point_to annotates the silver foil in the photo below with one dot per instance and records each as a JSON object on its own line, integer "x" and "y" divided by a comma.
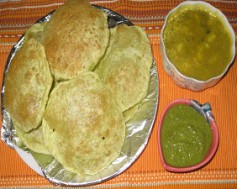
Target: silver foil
{"x": 138, "y": 128}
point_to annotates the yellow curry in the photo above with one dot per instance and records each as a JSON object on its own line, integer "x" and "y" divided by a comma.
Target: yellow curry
{"x": 197, "y": 42}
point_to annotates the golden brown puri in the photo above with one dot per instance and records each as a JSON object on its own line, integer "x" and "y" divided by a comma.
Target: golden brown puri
{"x": 130, "y": 113}
{"x": 76, "y": 38}
{"x": 36, "y": 32}
{"x": 85, "y": 131}
{"x": 33, "y": 140}
{"x": 125, "y": 68}
{"x": 27, "y": 85}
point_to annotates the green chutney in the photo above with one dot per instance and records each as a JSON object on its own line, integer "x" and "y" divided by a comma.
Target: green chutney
{"x": 197, "y": 42}
{"x": 186, "y": 136}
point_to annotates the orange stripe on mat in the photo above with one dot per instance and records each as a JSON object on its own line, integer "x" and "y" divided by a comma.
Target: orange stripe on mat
{"x": 147, "y": 171}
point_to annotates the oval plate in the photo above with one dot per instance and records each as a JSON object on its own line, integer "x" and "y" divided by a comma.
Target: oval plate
{"x": 138, "y": 129}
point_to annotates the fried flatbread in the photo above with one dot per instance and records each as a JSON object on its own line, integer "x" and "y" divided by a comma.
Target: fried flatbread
{"x": 76, "y": 38}
{"x": 86, "y": 130}
{"x": 125, "y": 68}
{"x": 28, "y": 82}
{"x": 33, "y": 140}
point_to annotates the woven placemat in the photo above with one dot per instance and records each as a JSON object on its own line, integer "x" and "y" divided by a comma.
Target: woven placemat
{"x": 16, "y": 16}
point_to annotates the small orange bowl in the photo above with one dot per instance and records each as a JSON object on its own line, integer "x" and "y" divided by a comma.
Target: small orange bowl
{"x": 205, "y": 111}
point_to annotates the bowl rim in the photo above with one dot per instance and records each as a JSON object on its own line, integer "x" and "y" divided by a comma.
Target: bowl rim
{"x": 212, "y": 150}
{"x": 227, "y": 24}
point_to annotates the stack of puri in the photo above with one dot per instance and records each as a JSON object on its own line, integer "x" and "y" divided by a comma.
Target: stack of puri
{"x": 69, "y": 84}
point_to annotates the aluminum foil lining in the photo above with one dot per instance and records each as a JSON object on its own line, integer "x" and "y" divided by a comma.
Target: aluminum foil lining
{"x": 138, "y": 129}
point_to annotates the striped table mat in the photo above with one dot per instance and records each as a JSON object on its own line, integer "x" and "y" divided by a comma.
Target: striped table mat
{"x": 147, "y": 172}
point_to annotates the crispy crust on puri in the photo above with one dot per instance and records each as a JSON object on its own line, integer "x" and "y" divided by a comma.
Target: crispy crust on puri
{"x": 125, "y": 68}
{"x": 90, "y": 134}
{"x": 28, "y": 82}
{"x": 76, "y": 38}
